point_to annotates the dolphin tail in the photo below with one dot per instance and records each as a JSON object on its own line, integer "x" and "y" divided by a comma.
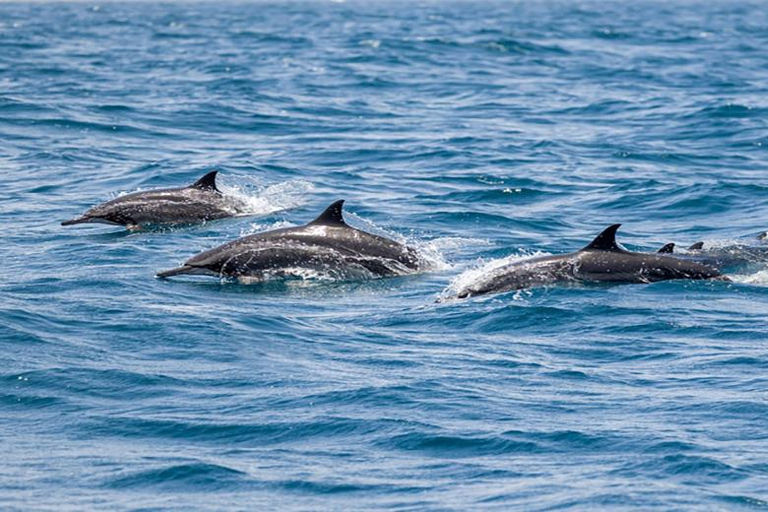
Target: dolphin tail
{"x": 184, "y": 269}
{"x": 77, "y": 220}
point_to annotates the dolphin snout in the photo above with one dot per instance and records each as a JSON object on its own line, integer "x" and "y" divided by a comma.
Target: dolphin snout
{"x": 185, "y": 269}
{"x": 76, "y": 220}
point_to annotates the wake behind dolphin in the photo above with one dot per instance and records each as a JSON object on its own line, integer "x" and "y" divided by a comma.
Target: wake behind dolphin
{"x": 200, "y": 202}
{"x": 327, "y": 245}
{"x": 602, "y": 260}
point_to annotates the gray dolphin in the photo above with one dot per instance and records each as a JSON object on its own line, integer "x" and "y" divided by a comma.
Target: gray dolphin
{"x": 199, "y": 202}
{"x": 327, "y": 245}
{"x": 602, "y": 260}
{"x": 723, "y": 257}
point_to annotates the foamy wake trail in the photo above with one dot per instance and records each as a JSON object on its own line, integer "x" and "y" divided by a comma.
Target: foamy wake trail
{"x": 759, "y": 278}
{"x": 255, "y": 199}
{"x": 434, "y": 252}
{"x": 483, "y": 268}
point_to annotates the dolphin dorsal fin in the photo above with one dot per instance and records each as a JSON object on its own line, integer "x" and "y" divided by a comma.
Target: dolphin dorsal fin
{"x": 605, "y": 241}
{"x": 697, "y": 246}
{"x": 207, "y": 182}
{"x": 332, "y": 216}
{"x": 667, "y": 249}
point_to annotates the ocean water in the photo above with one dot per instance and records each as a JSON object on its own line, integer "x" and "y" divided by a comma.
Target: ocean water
{"x": 474, "y": 132}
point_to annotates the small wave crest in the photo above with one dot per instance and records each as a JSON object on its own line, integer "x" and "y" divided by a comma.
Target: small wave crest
{"x": 193, "y": 475}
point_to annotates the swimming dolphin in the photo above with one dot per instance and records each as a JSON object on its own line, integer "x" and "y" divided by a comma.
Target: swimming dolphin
{"x": 199, "y": 202}
{"x": 601, "y": 260}
{"x": 327, "y": 245}
{"x": 724, "y": 257}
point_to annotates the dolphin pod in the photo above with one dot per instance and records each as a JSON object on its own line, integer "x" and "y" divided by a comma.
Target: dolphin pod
{"x": 200, "y": 202}
{"x": 329, "y": 246}
{"x": 730, "y": 256}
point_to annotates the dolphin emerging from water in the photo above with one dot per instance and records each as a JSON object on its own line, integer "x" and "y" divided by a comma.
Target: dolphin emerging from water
{"x": 327, "y": 245}
{"x": 602, "y": 260}
{"x": 729, "y": 257}
{"x": 199, "y": 202}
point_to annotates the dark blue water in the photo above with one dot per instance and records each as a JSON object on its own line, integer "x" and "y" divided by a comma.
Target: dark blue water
{"x": 476, "y": 133}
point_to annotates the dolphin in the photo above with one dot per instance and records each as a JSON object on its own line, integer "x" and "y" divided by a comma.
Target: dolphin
{"x": 199, "y": 202}
{"x": 602, "y": 260}
{"x": 723, "y": 257}
{"x": 327, "y": 245}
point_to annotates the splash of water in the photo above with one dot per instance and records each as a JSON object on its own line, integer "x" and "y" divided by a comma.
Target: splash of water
{"x": 254, "y": 199}
{"x": 435, "y": 253}
{"x": 759, "y": 278}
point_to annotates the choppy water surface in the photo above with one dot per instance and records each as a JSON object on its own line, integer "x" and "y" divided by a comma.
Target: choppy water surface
{"x": 476, "y": 133}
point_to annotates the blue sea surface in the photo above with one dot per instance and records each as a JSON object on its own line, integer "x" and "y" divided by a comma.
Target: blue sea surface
{"x": 475, "y": 132}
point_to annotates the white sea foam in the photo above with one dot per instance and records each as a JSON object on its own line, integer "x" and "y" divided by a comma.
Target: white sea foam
{"x": 251, "y": 198}
{"x": 439, "y": 251}
{"x": 759, "y": 278}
